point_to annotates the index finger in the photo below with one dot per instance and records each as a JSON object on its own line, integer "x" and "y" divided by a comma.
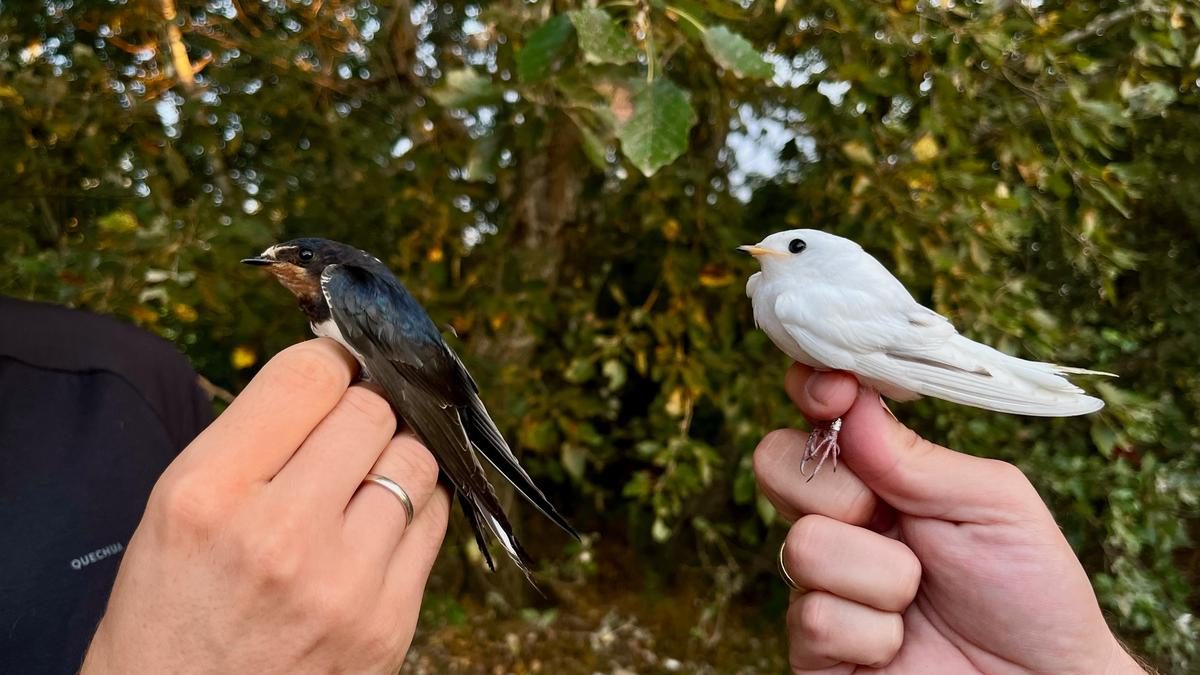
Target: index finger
{"x": 256, "y": 436}
{"x": 840, "y": 494}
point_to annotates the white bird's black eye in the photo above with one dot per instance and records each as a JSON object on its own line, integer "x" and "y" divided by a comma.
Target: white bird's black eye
{"x": 797, "y": 245}
{"x": 306, "y": 254}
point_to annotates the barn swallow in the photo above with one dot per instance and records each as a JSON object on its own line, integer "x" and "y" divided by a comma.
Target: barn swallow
{"x": 350, "y": 296}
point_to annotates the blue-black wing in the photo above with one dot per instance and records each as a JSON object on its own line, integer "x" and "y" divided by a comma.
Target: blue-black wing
{"x": 431, "y": 390}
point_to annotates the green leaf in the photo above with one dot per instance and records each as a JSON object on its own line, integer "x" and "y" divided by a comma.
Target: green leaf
{"x": 593, "y": 95}
{"x": 574, "y": 459}
{"x": 657, "y": 131}
{"x": 735, "y": 53}
{"x": 463, "y": 87}
{"x": 766, "y": 510}
{"x": 580, "y": 370}
{"x": 1104, "y": 438}
{"x": 602, "y": 40}
{"x": 660, "y": 531}
{"x": 614, "y": 370}
{"x": 543, "y": 49}
{"x": 481, "y": 160}
{"x": 743, "y": 483}
{"x": 639, "y": 486}
{"x": 593, "y": 147}
{"x": 858, "y": 152}
{"x": 1150, "y": 98}
{"x": 118, "y": 221}
{"x": 1112, "y": 198}
{"x": 539, "y": 436}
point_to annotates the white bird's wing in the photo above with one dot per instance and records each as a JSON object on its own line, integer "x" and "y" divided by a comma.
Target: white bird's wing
{"x": 888, "y": 338}
{"x": 837, "y": 325}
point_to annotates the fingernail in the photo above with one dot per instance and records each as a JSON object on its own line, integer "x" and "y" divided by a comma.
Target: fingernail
{"x": 813, "y": 386}
{"x": 886, "y": 408}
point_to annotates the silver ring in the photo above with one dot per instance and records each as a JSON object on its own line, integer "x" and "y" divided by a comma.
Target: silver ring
{"x": 394, "y": 488}
{"x": 783, "y": 573}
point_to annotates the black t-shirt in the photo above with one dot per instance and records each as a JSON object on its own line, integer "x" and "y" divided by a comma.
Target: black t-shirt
{"x": 91, "y": 412}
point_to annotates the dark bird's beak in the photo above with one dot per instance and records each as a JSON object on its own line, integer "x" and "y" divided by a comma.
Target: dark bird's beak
{"x": 258, "y": 262}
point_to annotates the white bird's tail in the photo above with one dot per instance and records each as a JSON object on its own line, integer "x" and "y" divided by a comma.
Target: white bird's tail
{"x": 967, "y": 372}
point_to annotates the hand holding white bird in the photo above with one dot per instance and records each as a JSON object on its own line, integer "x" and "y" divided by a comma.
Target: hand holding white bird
{"x": 828, "y": 304}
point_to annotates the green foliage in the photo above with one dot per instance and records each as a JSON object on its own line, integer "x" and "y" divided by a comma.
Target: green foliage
{"x": 656, "y": 130}
{"x": 564, "y": 183}
{"x": 734, "y": 52}
{"x": 600, "y": 38}
{"x": 542, "y": 49}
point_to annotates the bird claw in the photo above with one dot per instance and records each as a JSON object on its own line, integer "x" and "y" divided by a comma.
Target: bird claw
{"x": 822, "y": 444}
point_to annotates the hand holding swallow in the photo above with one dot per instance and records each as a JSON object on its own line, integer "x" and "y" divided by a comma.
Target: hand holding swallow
{"x": 917, "y": 559}
{"x": 263, "y": 551}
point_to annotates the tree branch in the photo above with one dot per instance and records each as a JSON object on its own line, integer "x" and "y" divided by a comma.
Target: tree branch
{"x": 213, "y": 391}
{"x": 1099, "y": 24}
{"x": 179, "y": 57}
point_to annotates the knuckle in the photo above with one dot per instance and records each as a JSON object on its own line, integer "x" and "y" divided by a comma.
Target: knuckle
{"x": 430, "y": 539}
{"x": 423, "y": 465}
{"x": 890, "y": 640}
{"x": 380, "y": 641}
{"x": 439, "y": 508}
{"x": 910, "y": 578}
{"x": 407, "y": 461}
{"x": 1008, "y": 474}
{"x": 860, "y": 504}
{"x": 372, "y": 406}
{"x": 438, "y": 511}
{"x": 911, "y": 443}
{"x": 187, "y": 504}
{"x": 331, "y": 606}
{"x": 804, "y": 541}
{"x": 271, "y": 555}
{"x": 809, "y": 621}
{"x": 308, "y": 364}
{"x": 1013, "y": 489}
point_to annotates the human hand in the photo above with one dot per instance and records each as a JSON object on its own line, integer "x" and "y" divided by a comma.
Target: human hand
{"x": 262, "y": 551}
{"x": 918, "y": 559}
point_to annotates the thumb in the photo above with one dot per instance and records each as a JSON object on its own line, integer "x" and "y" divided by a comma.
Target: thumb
{"x": 924, "y": 479}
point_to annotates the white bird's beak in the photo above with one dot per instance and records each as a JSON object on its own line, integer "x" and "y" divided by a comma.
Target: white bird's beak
{"x": 757, "y": 251}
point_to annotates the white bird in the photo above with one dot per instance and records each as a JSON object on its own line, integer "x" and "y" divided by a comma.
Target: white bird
{"x": 830, "y": 305}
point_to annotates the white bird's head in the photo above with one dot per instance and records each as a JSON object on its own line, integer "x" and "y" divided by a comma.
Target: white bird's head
{"x": 795, "y": 252}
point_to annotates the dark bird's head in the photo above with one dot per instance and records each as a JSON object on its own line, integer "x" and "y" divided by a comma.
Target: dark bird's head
{"x": 298, "y": 265}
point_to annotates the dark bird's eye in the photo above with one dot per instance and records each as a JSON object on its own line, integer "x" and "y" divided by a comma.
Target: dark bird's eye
{"x": 797, "y": 245}
{"x": 306, "y": 254}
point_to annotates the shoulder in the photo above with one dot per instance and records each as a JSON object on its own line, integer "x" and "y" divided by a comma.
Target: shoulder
{"x": 373, "y": 288}
{"x": 57, "y": 338}
{"x": 70, "y": 339}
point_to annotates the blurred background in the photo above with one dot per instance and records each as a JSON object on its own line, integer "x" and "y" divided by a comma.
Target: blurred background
{"x": 563, "y": 185}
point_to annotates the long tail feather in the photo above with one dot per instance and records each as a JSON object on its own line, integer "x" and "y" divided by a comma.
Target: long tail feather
{"x": 974, "y": 374}
{"x": 487, "y": 440}
{"x": 497, "y": 523}
{"x": 1068, "y": 370}
{"x": 472, "y": 514}
{"x": 483, "y": 509}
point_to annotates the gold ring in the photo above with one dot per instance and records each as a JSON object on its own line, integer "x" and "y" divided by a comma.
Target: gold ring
{"x": 783, "y": 573}
{"x": 394, "y": 488}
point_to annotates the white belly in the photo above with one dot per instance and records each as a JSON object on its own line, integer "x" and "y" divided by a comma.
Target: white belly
{"x": 329, "y": 328}
{"x": 763, "y": 299}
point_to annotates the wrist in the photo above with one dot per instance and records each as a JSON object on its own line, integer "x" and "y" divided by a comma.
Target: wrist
{"x": 97, "y": 660}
